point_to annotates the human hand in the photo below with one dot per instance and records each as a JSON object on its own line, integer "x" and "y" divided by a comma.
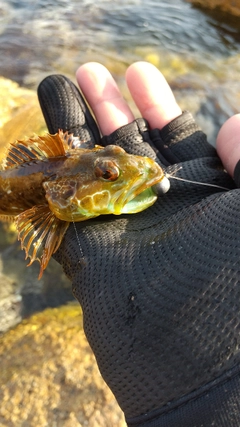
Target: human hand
{"x": 159, "y": 290}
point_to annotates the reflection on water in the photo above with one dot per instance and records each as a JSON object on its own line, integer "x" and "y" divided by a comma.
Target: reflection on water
{"x": 41, "y": 37}
{"x": 198, "y": 51}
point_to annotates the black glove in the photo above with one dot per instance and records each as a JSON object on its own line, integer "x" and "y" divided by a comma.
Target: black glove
{"x": 160, "y": 289}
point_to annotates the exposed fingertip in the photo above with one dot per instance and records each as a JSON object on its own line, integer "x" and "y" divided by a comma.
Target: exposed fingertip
{"x": 90, "y": 66}
{"x": 139, "y": 65}
{"x": 104, "y": 97}
{"x": 152, "y": 94}
{"x": 142, "y": 66}
{"x": 228, "y": 143}
{"x": 93, "y": 75}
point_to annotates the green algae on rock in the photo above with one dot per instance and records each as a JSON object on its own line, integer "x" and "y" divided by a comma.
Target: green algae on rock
{"x": 49, "y": 375}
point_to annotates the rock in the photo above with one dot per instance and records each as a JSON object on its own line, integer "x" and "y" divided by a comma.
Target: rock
{"x": 20, "y": 114}
{"x": 21, "y": 293}
{"x": 49, "y": 376}
{"x": 229, "y": 6}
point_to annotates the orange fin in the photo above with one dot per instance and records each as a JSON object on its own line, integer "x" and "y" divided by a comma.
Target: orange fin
{"x": 74, "y": 142}
{"x": 37, "y": 147}
{"x": 40, "y": 233}
{"x": 7, "y": 218}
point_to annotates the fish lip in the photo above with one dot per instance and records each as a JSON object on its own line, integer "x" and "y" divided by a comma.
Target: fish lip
{"x": 143, "y": 186}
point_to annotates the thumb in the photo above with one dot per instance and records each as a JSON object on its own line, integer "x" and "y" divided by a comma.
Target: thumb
{"x": 228, "y": 143}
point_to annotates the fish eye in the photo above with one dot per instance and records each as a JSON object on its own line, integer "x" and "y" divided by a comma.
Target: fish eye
{"x": 106, "y": 170}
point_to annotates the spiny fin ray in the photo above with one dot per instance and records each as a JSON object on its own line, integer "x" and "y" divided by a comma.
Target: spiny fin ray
{"x": 40, "y": 233}
{"x": 37, "y": 147}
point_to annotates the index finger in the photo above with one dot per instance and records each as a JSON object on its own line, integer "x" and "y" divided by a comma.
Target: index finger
{"x": 104, "y": 97}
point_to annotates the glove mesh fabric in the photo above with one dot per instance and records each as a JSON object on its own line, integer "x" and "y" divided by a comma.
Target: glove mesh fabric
{"x": 160, "y": 289}
{"x": 71, "y": 114}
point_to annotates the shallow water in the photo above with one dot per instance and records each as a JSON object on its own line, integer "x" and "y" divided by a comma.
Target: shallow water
{"x": 40, "y": 37}
{"x": 199, "y": 53}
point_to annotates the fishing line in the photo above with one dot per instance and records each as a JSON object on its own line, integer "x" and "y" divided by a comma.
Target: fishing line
{"x": 195, "y": 182}
{"x": 78, "y": 240}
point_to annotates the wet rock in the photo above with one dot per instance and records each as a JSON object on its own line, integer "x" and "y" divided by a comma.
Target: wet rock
{"x": 49, "y": 375}
{"x": 21, "y": 293}
{"x": 229, "y": 6}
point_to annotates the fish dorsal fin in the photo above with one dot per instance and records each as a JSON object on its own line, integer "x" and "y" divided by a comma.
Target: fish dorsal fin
{"x": 40, "y": 233}
{"x": 37, "y": 147}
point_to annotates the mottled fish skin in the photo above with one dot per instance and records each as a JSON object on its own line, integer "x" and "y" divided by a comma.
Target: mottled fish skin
{"x": 48, "y": 183}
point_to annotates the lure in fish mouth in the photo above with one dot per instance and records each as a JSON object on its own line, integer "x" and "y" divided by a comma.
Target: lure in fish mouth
{"x": 46, "y": 184}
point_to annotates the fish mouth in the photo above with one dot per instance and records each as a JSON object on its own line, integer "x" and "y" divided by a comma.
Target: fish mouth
{"x": 142, "y": 191}
{"x": 140, "y": 202}
{"x": 139, "y": 194}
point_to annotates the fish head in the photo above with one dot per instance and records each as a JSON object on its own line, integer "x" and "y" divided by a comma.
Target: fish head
{"x": 104, "y": 181}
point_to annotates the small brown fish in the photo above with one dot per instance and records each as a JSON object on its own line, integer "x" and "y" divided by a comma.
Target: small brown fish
{"x": 46, "y": 184}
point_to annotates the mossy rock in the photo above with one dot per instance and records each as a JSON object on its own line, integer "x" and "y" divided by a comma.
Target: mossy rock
{"x": 49, "y": 375}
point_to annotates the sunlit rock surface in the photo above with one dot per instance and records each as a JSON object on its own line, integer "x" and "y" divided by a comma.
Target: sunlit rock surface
{"x": 20, "y": 114}
{"x": 49, "y": 376}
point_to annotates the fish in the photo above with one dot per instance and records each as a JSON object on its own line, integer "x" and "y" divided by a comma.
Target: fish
{"x": 46, "y": 183}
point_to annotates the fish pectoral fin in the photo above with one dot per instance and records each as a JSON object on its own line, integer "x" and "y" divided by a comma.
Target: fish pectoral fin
{"x": 40, "y": 233}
